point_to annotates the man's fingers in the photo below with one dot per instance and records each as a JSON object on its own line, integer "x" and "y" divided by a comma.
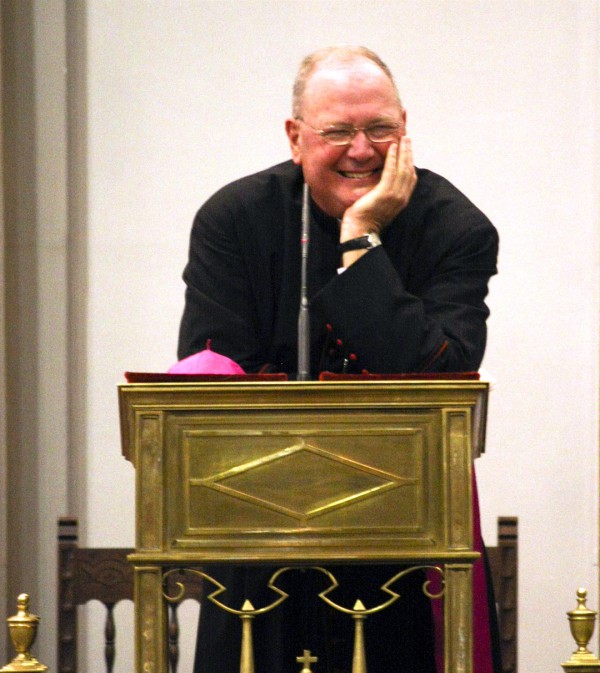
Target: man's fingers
{"x": 406, "y": 176}
{"x": 398, "y": 168}
{"x": 405, "y": 158}
{"x": 390, "y": 167}
{"x": 392, "y": 193}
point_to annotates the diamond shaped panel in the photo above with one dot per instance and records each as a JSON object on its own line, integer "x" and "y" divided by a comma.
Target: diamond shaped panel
{"x": 303, "y": 481}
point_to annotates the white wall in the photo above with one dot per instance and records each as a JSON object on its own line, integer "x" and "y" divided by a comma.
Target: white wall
{"x": 502, "y": 99}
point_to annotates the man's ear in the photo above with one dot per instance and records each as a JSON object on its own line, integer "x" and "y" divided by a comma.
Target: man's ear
{"x": 292, "y": 128}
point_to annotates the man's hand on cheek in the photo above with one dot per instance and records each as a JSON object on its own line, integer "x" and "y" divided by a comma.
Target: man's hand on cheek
{"x": 373, "y": 211}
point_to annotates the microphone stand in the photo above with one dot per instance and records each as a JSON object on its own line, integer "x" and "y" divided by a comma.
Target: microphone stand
{"x": 303, "y": 315}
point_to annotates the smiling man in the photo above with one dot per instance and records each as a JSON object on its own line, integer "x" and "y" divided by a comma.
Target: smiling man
{"x": 398, "y": 270}
{"x": 414, "y": 303}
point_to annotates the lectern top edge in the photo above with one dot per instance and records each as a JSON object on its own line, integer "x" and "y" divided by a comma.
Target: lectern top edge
{"x": 435, "y": 384}
{"x": 305, "y": 397}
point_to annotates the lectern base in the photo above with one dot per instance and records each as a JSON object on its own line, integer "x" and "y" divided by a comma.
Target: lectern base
{"x": 399, "y": 638}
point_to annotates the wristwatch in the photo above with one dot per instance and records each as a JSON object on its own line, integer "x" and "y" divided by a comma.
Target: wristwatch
{"x": 366, "y": 242}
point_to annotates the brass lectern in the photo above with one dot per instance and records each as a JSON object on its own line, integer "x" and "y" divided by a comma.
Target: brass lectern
{"x": 299, "y": 473}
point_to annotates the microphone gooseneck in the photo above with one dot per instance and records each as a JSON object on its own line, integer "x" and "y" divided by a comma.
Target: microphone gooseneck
{"x": 303, "y": 315}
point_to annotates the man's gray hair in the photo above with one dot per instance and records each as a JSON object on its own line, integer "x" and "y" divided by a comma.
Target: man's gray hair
{"x": 339, "y": 54}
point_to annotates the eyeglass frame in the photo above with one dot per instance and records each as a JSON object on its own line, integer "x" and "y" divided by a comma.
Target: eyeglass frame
{"x": 353, "y": 130}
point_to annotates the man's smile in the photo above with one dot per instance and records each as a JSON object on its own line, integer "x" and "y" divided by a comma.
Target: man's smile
{"x": 359, "y": 175}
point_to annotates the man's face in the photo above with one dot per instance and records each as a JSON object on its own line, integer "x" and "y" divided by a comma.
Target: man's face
{"x": 340, "y": 94}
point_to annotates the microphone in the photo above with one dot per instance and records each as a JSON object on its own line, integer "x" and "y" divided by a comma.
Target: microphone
{"x": 303, "y": 315}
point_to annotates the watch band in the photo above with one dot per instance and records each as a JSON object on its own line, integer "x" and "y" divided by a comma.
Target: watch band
{"x": 366, "y": 242}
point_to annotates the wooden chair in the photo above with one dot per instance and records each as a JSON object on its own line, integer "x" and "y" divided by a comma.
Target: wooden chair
{"x": 102, "y": 574}
{"x": 105, "y": 575}
{"x": 504, "y": 565}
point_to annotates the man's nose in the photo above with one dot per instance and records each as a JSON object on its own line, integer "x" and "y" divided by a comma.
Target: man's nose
{"x": 361, "y": 147}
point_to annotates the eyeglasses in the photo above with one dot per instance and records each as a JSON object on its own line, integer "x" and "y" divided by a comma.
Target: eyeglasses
{"x": 381, "y": 132}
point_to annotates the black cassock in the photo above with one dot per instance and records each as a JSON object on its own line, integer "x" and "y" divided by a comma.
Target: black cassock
{"x": 414, "y": 304}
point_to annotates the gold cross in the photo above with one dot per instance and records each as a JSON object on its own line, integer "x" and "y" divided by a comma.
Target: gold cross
{"x": 307, "y": 660}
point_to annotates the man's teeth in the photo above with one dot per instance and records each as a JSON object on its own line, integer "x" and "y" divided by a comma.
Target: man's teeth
{"x": 357, "y": 176}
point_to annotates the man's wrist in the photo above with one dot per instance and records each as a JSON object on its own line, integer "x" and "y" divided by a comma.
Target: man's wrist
{"x": 364, "y": 242}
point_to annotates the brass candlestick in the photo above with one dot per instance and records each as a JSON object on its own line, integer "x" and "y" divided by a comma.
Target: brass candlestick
{"x": 23, "y": 630}
{"x": 581, "y": 622}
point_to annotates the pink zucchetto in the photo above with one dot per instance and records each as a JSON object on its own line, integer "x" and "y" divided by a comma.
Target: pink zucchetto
{"x": 206, "y": 362}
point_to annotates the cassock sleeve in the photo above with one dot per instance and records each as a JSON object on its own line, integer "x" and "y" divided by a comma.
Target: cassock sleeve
{"x": 438, "y": 324}
{"x": 219, "y": 303}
